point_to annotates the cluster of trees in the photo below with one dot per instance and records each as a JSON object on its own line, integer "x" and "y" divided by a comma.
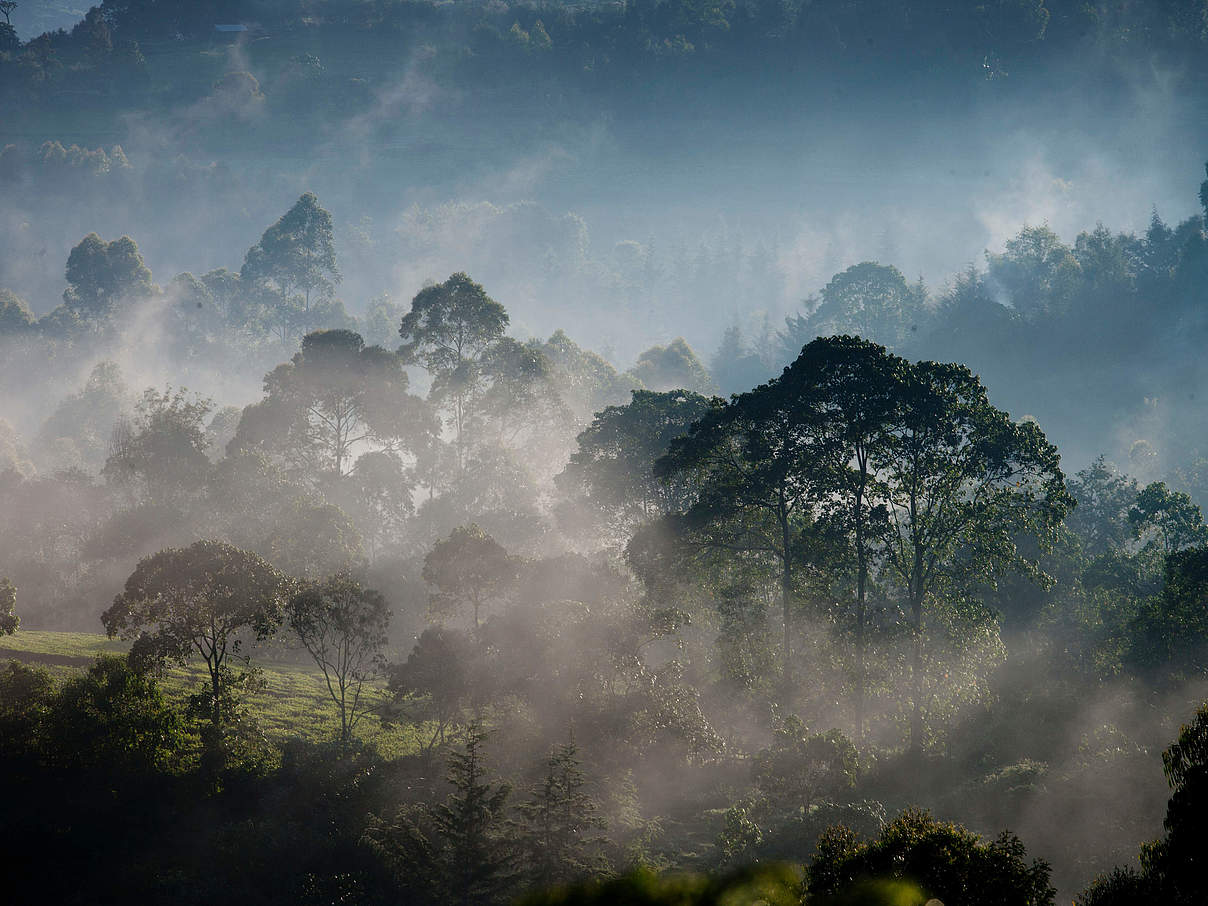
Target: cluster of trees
{"x": 981, "y": 41}
{"x": 699, "y": 631}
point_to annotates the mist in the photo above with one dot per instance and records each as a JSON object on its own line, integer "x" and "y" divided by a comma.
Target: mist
{"x": 536, "y": 396}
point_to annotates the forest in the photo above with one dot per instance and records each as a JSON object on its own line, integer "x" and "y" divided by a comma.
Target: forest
{"x": 657, "y": 453}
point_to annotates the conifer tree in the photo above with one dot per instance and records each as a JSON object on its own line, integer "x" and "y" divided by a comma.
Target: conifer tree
{"x": 557, "y": 823}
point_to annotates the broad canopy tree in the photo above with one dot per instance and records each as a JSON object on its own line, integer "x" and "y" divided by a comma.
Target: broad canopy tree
{"x": 909, "y": 465}
{"x": 101, "y": 274}
{"x": 336, "y": 397}
{"x": 450, "y": 331}
{"x": 207, "y": 599}
{"x": 612, "y": 469}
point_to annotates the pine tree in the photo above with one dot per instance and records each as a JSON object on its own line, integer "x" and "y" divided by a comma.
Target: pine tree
{"x": 455, "y": 853}
{"x": 477, "y": 867}
{"x": 557, "y": 823}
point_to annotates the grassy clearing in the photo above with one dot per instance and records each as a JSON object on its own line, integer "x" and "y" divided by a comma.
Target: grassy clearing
{"x": 294, "y": 702}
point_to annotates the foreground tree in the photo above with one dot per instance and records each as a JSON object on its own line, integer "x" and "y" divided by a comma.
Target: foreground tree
{"x": 208, "y": 599}
{"x": 946, "y": 861}
{"x": 455, "y": 851}
{"x": 343, "y": 627}
{"x": 559, "y": 819}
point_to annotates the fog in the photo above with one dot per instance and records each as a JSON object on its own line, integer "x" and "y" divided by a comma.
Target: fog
{"x": 583, "y": 354}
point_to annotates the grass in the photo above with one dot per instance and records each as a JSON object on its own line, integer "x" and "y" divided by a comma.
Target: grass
{"x": 293, "y": 704}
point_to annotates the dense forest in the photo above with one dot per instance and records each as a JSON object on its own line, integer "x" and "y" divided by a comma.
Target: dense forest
{"x": 655, "y": 452}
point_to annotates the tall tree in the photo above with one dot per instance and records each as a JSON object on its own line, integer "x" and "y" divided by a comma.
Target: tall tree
{"x": 468, "y": 568}
{"x": 612, "y": 471}
{"x": 962, "y": 484}
{"x": 294, "y": 265}
{"x": 343, "y": 627}
{"x": 854, "y": 394}
{"x": 1170, "y": 519}
{"x": 163, "y": 452}
{"x": 449, "y": 331}
{"x": 756, "y": 481}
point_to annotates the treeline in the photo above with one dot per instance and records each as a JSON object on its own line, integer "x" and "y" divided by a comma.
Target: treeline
{"x": 597, "y": 43}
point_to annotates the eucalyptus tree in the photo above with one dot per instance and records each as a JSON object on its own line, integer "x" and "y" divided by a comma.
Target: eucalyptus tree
{"x": 449, "y": 331}
{"x": 293, "y": 266}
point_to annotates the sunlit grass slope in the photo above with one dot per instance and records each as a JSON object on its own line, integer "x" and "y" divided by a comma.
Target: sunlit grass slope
{"x": 294, "y": 702}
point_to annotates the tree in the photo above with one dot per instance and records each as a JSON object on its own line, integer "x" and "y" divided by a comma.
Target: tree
{"x": 1104, "y": 497}
{"x": 1172, "y": 868}
{"x": 1168, "y": 634}
{"x": 559, "y": 818}
{"x": 586, "y": 380}
{"x": 672, "y": 367}
{"x": 948, "y": 862}
{"x": 612, "y": 470}
{"x": 334, "y": 396}
{"x": 79, "y": 429}
{"x": 204, "y": 599}
{"x": 1172, "y": 518}
{"x": 1038, "y": 271}
{"x": 962, "y": 484}
{"x": 6, "y": 8}
{"x": 15, "y": 315}
{"x": 437, "y": 681}
{"x": 294, "y": 265}
{"x": 115, "y": 722}
{"x": 756, "y": 482}
{"x": 449, "y": 331}
{"x": 800, "y": 769}
{"x": 454, "y": 852}
{"x": 468, "y": 568}
{"x": 870, "y": 300}
{"x": 100, "y": 274}
{"x": 164, "y": 450}
{"x": 343, "y": 627}
{"x": 9, "y": 621}
{"x": 854, "y": 394}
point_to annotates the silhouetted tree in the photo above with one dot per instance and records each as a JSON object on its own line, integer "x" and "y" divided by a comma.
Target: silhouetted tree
{"x": 343, "y": 626}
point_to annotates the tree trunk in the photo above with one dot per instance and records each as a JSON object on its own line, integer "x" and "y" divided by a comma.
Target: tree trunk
{"x": 786, "y": 604}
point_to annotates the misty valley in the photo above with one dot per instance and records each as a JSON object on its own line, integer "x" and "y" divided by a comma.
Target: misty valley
{"x": 696, "y": 452}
